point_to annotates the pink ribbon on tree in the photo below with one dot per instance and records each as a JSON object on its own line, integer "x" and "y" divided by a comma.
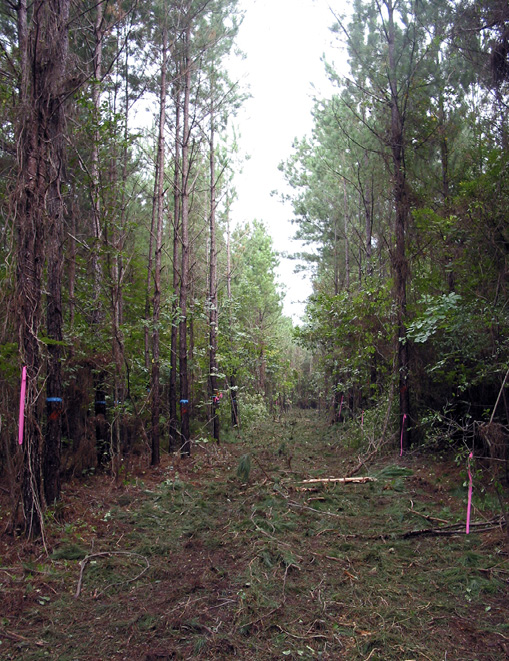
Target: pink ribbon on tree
{"x": 402, "y": 430}
{"x": 469, "y": 504}
{"x": 22, "y": 404}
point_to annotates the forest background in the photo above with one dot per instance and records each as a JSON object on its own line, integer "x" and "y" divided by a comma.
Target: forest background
{"x": 146, "y": 318}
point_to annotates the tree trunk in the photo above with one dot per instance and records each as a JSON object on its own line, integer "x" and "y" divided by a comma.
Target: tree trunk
{"x": 213, "y": 392}
{"x": 71, "y": 269}
{"x": 177, "y": 179}
{"x": 94, "y": 165}
{"x": 184, "y": 274}
{"x": 399, "y": 260}
{"x": 156, "y": 306}
{"x": 347, "y": 242}
{"x": 149, "y": 271}
{"x": 97, "y": 315}
{"x": 336, "y": 257}
{"x": 367, "y": 200}
{"x": 115, "y": 252}
{"x": 39, "y": 224}
{"x": 233, "y": 377}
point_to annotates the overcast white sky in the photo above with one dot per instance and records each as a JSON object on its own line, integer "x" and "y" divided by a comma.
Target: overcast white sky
{"x": 283, "y": 41}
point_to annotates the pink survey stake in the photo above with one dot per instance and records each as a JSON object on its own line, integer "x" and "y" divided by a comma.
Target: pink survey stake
{"x": 22, "y": 404}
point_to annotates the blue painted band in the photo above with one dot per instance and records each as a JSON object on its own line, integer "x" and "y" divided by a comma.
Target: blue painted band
{"x": 184, "y": 401}
{"x": 53, "y": 399}
{"x": 100, "y": 401}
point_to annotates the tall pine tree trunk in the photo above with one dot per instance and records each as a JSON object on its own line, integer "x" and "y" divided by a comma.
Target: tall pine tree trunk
{"x": 347, "y": 241}
{"x": 213, "y": 393}
{"x": 94, "y": 165}
{"x": 177, "y": 179}
{"x": 233, "y": 377}
{"x": 156, "y": 305}
{"x": 184, "y": 274}
{"x": 39, "y": 218}
{"x": 115, "y": 246}
{"x": 71, "y": 269}
{"x": 150, "y": 260}
{"x": 97, "y": 315}
{"x": 401, "y": 203}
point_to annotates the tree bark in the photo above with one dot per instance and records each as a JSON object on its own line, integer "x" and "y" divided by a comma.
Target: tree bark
{"x": 156, "y": 303}
{"x": 233, "y": 378}
{"x": 115, "y": 249}
{"x": 399, "y": 259}
{"x": 213, "y": 392}
{"x": 39, "y": 223}
{"x": 184, "y": 273}
{"x": 97, "y": 314}
{"x": 177, "y": 179}
{"x": 94, "y": 164}
{"x": 347, "y": 241}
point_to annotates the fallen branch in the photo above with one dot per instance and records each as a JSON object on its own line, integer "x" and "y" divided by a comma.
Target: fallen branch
{"x": 457, "y": 529}
{"x": 362, "y": 461}
{"x": 340, "y": 480}
{"x": 425, "y": 516}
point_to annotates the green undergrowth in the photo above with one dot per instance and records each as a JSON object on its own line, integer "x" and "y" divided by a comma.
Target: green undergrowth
{"x": 210, "y": 561}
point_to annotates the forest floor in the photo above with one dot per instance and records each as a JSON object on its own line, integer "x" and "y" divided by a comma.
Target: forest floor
{"x": 193, "y": 560}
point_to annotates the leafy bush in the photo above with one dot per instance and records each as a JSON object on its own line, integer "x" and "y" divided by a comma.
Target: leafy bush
{"x": 252, "y": 409}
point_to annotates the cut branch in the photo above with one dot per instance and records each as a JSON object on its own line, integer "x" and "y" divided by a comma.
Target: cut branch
{"x": 340, "y": 480}
{"x": 457, "y": 529}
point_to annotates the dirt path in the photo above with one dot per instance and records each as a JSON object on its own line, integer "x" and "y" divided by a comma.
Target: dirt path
{"x": 190, "y": 561}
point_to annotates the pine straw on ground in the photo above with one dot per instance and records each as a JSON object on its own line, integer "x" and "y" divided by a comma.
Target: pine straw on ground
{"x": 187, "y": 561}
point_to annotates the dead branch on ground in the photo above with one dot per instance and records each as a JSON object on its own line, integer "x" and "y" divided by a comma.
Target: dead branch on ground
{"x": 457, "y": 529}
{"x": 324, "y": 481}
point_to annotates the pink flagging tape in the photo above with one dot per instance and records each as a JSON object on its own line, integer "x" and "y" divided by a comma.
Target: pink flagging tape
{"x": 401, "y": 439}
{"x": 22, "y": 404}
{"x": 469, "y": 505}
